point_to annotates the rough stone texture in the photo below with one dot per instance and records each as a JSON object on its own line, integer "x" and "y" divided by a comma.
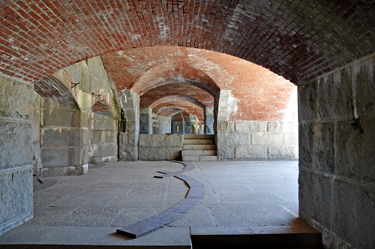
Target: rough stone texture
{"x": 61, "y": 156}
{"x": 15, "y": 137}
{"x": 16, "y": 198}
{"x": 160, "y": 147}
{"x": 262, "y": 140}
{"x": 16, "y": 157}
{"x": 128, "y": 146}
{"x": 250, "y": 152}
{"x": 15, "y": 99}
{"x": 337, "y": 154}
{"x": 60, "y": 136}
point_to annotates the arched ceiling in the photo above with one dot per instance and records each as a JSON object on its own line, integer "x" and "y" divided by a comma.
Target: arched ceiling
{"x": 169, "y": 111}
{"x": 177, "y": 89}
{"x": 299, "y": 40}
{"x": 187, "y": 105}
{"x": 176, "y": 99}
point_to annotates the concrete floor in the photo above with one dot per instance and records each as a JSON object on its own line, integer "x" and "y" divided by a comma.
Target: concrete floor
{"x": 242, "y": 197}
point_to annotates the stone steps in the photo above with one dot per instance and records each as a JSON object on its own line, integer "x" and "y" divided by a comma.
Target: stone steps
{"x": 198, "y": 141}
{"x": 198, "y": 153}
{"x": 199, "y": 148}
{"x": 198, "y": 136}
{"x": 199, "y": 158}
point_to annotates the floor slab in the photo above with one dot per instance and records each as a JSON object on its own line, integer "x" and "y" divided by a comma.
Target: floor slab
{"x": 247, "y": 196}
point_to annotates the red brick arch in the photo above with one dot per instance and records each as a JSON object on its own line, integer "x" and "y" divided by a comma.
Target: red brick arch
{"x": 176, "y": 89}
{"x": 174, "y": 72}
{"x": 176, "y": 99}
{"x": 169, "y": 111}
{"x": 181, "y": 103}
{"x": 299, "y": 40}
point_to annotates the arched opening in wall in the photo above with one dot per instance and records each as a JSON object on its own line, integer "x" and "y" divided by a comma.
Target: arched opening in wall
{"x": 186, "y": 113}
{"x": 57, "y": 130}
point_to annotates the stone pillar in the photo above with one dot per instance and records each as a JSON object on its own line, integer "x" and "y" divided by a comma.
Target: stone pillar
{"x": 209, "y": 120}
{"x": 16, "y": 157}
{"x": 145, "y": 120}
{"x": 128, "y": 140}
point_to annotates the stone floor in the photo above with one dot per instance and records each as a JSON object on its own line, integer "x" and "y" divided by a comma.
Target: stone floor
{"x": 241, "y": 196}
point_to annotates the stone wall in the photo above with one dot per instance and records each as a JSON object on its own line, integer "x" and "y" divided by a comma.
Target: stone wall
{"x": 61, "y": 145}
{"x": 103, "y": 138}
{"x": 337, "y": 155}
{"x": 160, "y": 147}
{"x": 16, "y": 157}
{"x": 257, "y": 140}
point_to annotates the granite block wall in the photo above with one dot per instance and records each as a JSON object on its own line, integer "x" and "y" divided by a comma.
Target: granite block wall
{"x": 337, "y": 155}
{"x": 16, "y": 157}
{"x": 160, "y": 147}
{"x": 257, "y": 140}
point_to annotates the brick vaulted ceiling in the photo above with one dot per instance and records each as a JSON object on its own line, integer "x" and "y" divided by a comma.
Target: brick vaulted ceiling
{"x": 299, "y": 40}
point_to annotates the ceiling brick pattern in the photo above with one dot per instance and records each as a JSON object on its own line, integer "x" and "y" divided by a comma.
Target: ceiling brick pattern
{"x": 299, "y": 40}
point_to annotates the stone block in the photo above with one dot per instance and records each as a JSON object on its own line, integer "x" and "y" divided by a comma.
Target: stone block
{"x": 315, "y": 192}
{"x": 16, "y": 99}
{"x": 275, "y": 152}
{"x": 358, "y": 212}
{"x": 174, "y": 140}
{"x": 227, "y": 142}
{"x": 290, "y": 138}
{"x": 128, "y": 139}
{"x": 305, "y": 143}
{"x": 335, "y": 95}
{"x": 99, "y": 159}
{"x": 365, "y": 87}
{"x": 16, "y": 198}
{"x": 323, "y": 147}
{"x": 62, "y": 171}
{"x": 85, "y": 136}
{"x": 60, "y": 137}
{"x": 251, "y": 152}
{"x": 128, "y": 153}
{"x": 290, "y": 152}
{"x": 61, "y": 117}
{"x": 276, "y": 127}
{"x": 61, "y": 156}
{"x": 159, "y": 153}
{"x": 233, "y": 139}
{"x": 36, "y": 125}
{"x": 104, "y": 137}
{"x": 16, "y": 144}
{"x": 132, "y": 126}
{"x": 226, "y": 126}
{"x": 355, "y": 148}
{"x": 307, "y": 102}
{"x": 257, "y": 126}
{"x": 290, "y": 127}
{"x": 104, "y": 149}
{"x": 269, "y": 139}
{"x": 75, "y": 71}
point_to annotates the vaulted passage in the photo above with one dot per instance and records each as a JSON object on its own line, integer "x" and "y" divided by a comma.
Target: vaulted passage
{"x": 104, "y": 81}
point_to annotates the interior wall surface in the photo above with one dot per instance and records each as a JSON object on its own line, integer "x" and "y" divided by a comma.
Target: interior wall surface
{"x": 104, "y": 134}
{"x": 16, "y": 157}
{"x": 337, "y": 155}
{"x": 160, "y": 147}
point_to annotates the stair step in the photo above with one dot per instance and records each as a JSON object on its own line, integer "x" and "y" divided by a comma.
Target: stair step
{"x": 198, "y": 153}
{"x": 198, "y": 141}
{"x": 199, "y": 158}
{"x": 199, "y": 147}
{"x": 198, "y": 136}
